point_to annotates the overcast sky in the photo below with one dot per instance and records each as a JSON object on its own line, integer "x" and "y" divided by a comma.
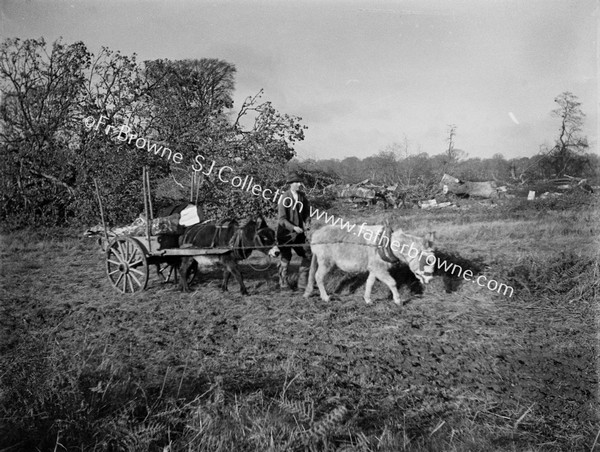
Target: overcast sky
{"x": 365, "y": 74}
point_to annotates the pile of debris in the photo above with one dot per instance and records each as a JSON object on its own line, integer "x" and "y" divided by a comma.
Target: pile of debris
{"x": 444, "y": 195}
{"x": 422, "y": 196}
{"x": 466, "y": 189}
{"x": 452, "y": 188}
{"x": 433, "y": 204}
{"x": 570, "y": 183}
{"x": 366, "y": 194}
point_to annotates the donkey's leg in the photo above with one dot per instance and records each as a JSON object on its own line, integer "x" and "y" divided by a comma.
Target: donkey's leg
{"x": 225, "y": 282}
{"x": 323, "y": 268}
{"x": 369, "y": 287}
{"x": 311, "y": 276}
{"x": 184, "y": 266}
{"x": 389, "y": 281}
{"x": 232, "y": 267}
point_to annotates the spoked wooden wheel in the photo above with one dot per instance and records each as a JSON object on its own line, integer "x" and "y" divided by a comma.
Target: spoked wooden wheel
{"x": 192, "y": 272}
{"x": 126, "y": 265}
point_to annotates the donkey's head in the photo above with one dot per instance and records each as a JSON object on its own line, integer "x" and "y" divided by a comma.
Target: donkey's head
{"x": 264, "y": 237}
{"x": 418, "y": 253}
{"x": 426, "y": 260}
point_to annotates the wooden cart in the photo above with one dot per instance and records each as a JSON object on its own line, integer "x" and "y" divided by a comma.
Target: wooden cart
{"x": 128, "y": 258}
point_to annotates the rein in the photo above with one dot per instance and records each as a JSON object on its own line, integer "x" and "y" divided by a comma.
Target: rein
{"x": 239, "y": 242}
{"x": 285, "y": 245}
{"x": 235, "y": 242}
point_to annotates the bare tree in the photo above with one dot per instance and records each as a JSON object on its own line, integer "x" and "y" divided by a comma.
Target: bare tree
{"x": 407, "y": 164}
{"x": 451, "y": 134}
{"x": 452, "y": 154}
{"x": 567, "y": 154}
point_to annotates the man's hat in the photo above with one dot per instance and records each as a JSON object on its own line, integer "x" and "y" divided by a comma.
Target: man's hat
{"x": 293, "y": 177}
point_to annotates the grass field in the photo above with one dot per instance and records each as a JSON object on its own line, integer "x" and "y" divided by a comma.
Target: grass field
{"x": 86, "y": 368}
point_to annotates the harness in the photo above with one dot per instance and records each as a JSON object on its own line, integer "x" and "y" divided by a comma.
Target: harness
{"x": 240, "y": 249}
{"x": 223, "y": 224}
{"x": 385, "y": 252}
{"x": 237, "y": 243}
{"x": 258, "y": 241}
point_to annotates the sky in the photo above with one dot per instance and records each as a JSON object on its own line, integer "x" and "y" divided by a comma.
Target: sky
{"x": 363, "y": 75}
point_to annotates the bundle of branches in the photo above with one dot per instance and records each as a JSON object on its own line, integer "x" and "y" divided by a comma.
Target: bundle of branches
{"x": 407, "y": 196}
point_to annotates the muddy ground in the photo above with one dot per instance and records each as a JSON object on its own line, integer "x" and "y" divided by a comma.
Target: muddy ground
{"x": 467, "y": 370}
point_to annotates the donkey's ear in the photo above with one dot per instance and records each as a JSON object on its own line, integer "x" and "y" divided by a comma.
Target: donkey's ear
{"x": 263, "y": 222}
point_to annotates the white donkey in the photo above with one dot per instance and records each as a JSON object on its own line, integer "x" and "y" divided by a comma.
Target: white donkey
{"x": 373, "y": 249}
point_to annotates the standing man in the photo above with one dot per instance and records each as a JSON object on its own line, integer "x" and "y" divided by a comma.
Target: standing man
{"x": 293, "y": 223}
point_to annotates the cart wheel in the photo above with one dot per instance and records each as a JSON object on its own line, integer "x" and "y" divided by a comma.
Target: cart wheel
{"x": 126, "y": 265}
{"x": 192, "y": 272}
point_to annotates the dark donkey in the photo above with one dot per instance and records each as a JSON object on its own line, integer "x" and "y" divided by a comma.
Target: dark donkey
{"x": 227, "y": 234}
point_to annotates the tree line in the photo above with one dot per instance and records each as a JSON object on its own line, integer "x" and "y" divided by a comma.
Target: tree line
{"x": 405, "y": 163}
{"x": 50, "y": 159}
